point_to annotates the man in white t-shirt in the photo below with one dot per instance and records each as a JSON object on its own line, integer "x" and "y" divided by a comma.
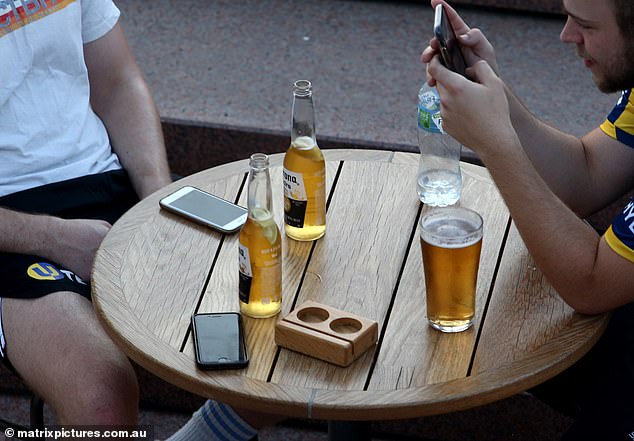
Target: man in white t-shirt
{"x": 74, "y": 155}
{"x": 80, "y": 143}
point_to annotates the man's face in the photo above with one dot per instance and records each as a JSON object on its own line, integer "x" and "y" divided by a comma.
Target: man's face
{"x": 592, "y": 27}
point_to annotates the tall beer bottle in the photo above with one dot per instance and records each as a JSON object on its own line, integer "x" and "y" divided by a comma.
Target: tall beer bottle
{"x": 260, "y": 247}
{"x": 304, "y": 171}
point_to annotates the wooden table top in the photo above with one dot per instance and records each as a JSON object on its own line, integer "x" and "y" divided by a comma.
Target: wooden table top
{"x": 154, "y": 270}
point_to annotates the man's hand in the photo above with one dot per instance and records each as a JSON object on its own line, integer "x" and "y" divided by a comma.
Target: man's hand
{"x": 76, "y": 243}
{"x": 70, "y": 243}
{"x": 476, "y": 113}
{"x": 475, "y": 46}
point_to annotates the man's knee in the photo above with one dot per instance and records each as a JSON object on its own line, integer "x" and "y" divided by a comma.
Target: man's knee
{"x": 106, "y": 388}
{"x": 58, "y": 346}
{"x": 109, "y": 396}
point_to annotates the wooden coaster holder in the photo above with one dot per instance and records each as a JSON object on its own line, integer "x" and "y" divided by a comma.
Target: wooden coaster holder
{"x": 326, "y": 333}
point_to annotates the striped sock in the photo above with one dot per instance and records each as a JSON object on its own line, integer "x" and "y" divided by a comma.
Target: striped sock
{"x": 214, "y": 422}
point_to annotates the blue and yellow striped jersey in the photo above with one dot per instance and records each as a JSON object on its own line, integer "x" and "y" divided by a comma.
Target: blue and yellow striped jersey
{"x": 620, "y": 122}
{"x": 620, "y": 235}
{"x": 620, "y": 126}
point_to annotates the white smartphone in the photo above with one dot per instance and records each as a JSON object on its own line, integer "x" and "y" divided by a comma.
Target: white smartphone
{"x": 206, "y": 209}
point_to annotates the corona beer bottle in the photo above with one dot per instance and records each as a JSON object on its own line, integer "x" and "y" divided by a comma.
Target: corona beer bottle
{"x": 260, "y": 247}
{"x": 304, "y": 172}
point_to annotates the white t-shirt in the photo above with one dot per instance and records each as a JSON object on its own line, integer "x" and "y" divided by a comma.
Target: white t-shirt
{"x": 48, "y": 131}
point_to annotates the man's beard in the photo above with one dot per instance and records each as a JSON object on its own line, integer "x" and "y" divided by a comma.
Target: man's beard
{"x": 620, "y": 74}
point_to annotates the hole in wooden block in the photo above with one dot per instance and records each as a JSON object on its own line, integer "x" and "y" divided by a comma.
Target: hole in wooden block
{"x": 313, "y": 315}
{"x": 346, "y": 325}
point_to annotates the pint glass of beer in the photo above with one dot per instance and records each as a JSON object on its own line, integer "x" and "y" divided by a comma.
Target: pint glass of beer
{"x": 451, "y": 239}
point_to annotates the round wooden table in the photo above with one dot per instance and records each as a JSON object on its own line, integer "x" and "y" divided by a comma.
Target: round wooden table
{"x": 154, "y": 270}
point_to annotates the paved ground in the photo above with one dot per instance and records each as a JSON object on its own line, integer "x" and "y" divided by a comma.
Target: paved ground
{"x": 230, "y": 64}
{"x": 519, "y": 418}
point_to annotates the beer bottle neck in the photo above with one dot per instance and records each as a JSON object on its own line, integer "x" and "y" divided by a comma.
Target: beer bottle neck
{"x": 303, "y": 119}
{"x": 259, "y": 199}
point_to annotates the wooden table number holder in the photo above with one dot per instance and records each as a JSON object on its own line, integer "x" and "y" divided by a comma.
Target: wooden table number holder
{"x": 326, "y": 333}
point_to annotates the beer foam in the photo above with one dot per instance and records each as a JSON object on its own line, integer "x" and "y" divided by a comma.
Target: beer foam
{"x": 451, "y": 233}
{"x": 304, "y": 143}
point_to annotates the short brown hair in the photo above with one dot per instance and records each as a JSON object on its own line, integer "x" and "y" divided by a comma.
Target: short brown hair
{"x": 624, "y": 10}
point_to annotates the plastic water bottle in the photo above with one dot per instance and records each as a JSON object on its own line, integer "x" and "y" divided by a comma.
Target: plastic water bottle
{"x": 439, "y": 180}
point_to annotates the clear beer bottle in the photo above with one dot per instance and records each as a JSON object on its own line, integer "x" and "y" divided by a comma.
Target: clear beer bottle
{"x": 304, "y": 171}
{"x": 260, "y": 247}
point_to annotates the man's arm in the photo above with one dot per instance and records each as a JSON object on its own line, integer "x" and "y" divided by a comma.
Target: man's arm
{"x": 580, "y": 265}
{"x": 586, "y": 272}
{"x": 121, "y": 98}
{"x": 584, "y": 173}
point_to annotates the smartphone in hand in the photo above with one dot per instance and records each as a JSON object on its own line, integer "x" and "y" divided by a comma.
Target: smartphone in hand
{"x": 206, "y": 209}
{"x": 450, "y": 51}
{"x": 219, "y": 341}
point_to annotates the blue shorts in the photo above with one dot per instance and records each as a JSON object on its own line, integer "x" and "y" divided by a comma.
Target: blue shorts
{"x": 104, "y": 196}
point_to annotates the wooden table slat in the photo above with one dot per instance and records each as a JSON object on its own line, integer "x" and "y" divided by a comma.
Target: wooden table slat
{"x": 345, "y": 273}
{"x": 414, "y": 354}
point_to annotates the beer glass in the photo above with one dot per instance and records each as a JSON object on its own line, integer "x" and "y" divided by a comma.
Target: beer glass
{"x": 451, "y": 239}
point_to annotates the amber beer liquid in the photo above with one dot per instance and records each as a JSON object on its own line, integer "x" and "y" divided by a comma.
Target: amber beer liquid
{"x": 304, "y": 172}
{"x": 451, "y": 241}
{"x": 260, "y": 248}
{"x": 304, "y": 190}
{"x": 260, "y": 253}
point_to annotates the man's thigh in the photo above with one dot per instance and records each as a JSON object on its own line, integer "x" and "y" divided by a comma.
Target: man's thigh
{"x": 59, "y": 348}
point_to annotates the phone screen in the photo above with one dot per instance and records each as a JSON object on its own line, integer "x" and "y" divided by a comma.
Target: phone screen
{"x": 451, "y": 54}
{"x": 200, "y": 204}
{"x": 206, "y": 208}
{"x": 219, "y": 340}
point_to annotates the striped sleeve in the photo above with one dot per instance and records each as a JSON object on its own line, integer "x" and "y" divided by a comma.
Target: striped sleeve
{"x": 620, "y": 122}
{"x": 620, "y": 235}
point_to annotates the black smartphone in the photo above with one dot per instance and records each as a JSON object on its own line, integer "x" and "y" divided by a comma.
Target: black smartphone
{"x": 206, "y": 209}
{"x": 450, "y": 51}
{"x": 219, "y": 341}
